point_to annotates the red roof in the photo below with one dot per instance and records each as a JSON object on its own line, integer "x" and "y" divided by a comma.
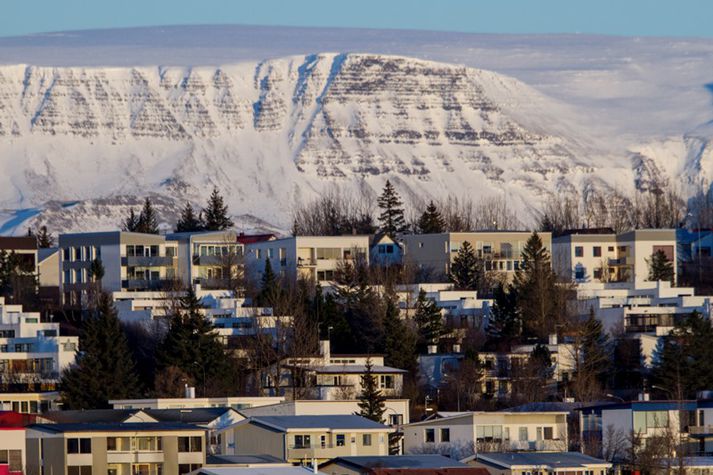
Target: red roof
{"x": 253, "y": 238}
{"x": 15, "y": 420}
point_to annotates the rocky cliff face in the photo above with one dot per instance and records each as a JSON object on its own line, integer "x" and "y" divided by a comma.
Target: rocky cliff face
{"x": 274, "y": 132}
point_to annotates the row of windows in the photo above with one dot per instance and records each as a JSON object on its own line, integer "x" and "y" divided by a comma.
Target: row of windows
{"x": 596, "y": 250}
{"x": 217, "y": 250}
{"x": 492, "y": 433}
{"x": 304, "y": 441}
{"x": 25, "y": 407}
{"x": 81, "y": 253}
{"x": 83, "y": 445}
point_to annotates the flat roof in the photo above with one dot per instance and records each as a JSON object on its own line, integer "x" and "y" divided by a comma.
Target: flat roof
{"x": 537, "y": 459}
{"x": 318, "y": 422}
{"x": 398, "y": 461}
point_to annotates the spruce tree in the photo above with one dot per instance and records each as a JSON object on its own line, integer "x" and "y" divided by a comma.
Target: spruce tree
{"x": 269, "y": 287}
{"x": 188, "y": 222}
{"x": 429, "y": 321}
{"x": 216, "y": 213}
{"x": 148, "y": 220}
{"x": 467, "y": 270}
{"x": 660, "y": 268}
{"x": 595, "y": 353}
{"x": 431, "y": 221}
{"x": 535, "y": 283}
{"x": 44, "y": 238}
{"x": 192, "y": 345}
{"x": 399, "y": 340}
{"x": 372, "y": 403}
{"x": 131, "y": 223}
{"x": 505, "y": 323}
{"x": 391, "y": 219}
{"x": 104, "y": 369}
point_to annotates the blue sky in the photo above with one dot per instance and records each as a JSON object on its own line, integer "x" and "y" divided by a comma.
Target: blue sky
{"x": 617, "y": 17}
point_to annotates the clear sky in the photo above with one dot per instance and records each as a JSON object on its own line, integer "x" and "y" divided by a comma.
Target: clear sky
{"x": 618, "y": 17}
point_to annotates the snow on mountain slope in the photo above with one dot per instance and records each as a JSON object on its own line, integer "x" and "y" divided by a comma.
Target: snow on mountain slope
{"x": 79, "y": 144}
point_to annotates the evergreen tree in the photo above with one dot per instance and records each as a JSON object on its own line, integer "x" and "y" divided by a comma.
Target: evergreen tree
{"x": 148, "y": 220}
{"x": 96, "y": 270}
{"x": 269, "y": 287}
{"x": 505, "y": 323}
{"x": 372, "y": 403}
{"x": 104, "y": 369}
{"x": 431, "y": 221}
{"x": 360, "y": 306}
{"x": 429, "y": 321}
{"x": 467, "y": 270}
{"x": 660, "y": 268}
{"x": 44, "y": 239}
{"x": 399, "y": 340}
{"x": 391, "y": 219}
{"x": 131, "y": 223}
{"x": 216, "y": 213}
{"x": 189, "y": 222}
{"x": 592, "y": 367}
{"x": 192, "y": 346}
{"x": 535, "y": 283}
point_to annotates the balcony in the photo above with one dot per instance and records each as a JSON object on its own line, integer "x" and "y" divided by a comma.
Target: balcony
{"x": 303, "y": 262}
{"x": 216, "y": 260}
{"x": 144, "y": 284}
{"x": 147, "y": 261}
{"x": 622, "y": 261}
{"x": 698, "y": 431}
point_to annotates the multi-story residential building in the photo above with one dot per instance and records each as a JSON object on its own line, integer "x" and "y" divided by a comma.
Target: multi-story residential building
{"x": 460, "y": 308}
{"x": 332, "y": 377}
{"x": 690, "y": 421}
{"x": 12, "y": 442}
{"x": 600, "y": 255}
{"x": 25, "y": 250}
{"x": 213, "y": 259}
{"x": 489, "y": 432}
{"x": 310, "y": 257}
{"x": 30, "y": 403}
{"x": 142, "y": 448}
{"x": 132, "y": 262}
{"x": 384, "y": 250}
{"x": 190, "y": 402}
{"x": 570, "y": 463}
{"x": 501, "y": 250}
{"x": 32, "y": 352}
{"x": 306, "y": 439}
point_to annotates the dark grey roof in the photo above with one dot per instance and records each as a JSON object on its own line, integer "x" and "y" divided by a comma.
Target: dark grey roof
{"x": 551, "y": 459}
{"x": 201, "y": 415}
{"x": 113, "y": 427}
{"x": 317, "y": 422}
{"x": 553, "y": 406}
{"x": 241, "y": 459}
{"x": 90, "y": 416}
{"x": 398, "y": 461}
{"x": 355, "y": 369}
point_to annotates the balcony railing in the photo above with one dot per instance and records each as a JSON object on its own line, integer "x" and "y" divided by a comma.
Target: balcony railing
{"x": 147, "y": 261}
{"x": 303, "y": 262}
{"x": 143, "y": 284}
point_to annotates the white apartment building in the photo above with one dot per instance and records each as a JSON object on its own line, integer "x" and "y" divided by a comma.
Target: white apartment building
{"x": 603, "y": 256}
{"x": 30, "y": 403}
{"x": 311, "y": 257}
{"x": 190, "y": 402}
{"x": 501, "y": 250}
{"x": 132, "y": 262}
{"x": 490, "y": 432}
{"x": 460, "y": 308}
{"x": 32, "y": 351}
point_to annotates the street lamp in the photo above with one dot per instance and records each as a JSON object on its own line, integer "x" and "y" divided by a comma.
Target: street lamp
{"x": 615, "y": 397}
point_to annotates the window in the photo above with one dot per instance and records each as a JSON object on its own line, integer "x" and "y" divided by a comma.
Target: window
{"x": 329, "y": 253}
{"x": 578, "y": 251}
{"x": 66, "y": 254}
{"x": 184, "y": 468}
{"x": 13, "y": 458}
{"x": 445, "y": 435}
{"x": 396, "y": 419}
{"x": 386, "y": 381}
{"x": 579, "y": 273}
{"x": 610, "y": 249}
{"x": 489, "y": 433}
{"x": 79, "y": 446}
{"x": 597, "y": 251}
{"x": 340, "y": 440}
{"x": 303, "y": 441}
{"x": 548, "y": 433}
{"x": 366, "y": 439}
{"x": 148, "y": 444}
{"x": 597, "y": 273}
{"x": 430, "y": 435}
{"x": 190, "y": 444}
{"x": 644, "y": 420}
{"x": 522, "y": 434}
{"x": 79, "y": 470}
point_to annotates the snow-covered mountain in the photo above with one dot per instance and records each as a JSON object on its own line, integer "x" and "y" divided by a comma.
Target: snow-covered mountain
{"x": 79, "y": 144}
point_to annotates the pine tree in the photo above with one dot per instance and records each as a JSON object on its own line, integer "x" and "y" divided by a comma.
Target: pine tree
{"x": 189, "y": 222}
{"x": 192, "y": 346}
{"x": 399, "y": 340}
{"x": 595, "y": 351}
{"x": 431, "y": 221}
{"x": 269, "y": 287}
{"x": 467, "y": 270}
{"x": 505, "y": 323}
{"x": 216, "y": 213}
{"x": 372, "y": 403}
{"x": 131, "y": 223}
{"x": 44, "y": 239}
{"x": 429, "y": 321}
{"x": 391, "y": 219}
{"x": 104, "y": 368}
{"x": 660, "y": 268}
{"x": 96, "y": 270}
{"x": 148, "y": 221}
{"x": 535, "y": 283}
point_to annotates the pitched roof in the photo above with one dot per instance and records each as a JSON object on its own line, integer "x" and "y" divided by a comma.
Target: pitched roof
{"x": 285, "y": 423}
{"x": 15, "y": 420}
{"x": 200, "y": 415}
{"x": 90, "y": 416}
{"x": 114, "y": 427}
{"x": 398, "y": 461}
{"x": 538, "y": 459}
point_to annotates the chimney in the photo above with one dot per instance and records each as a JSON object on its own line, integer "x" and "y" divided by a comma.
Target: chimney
{"x": 553, "y": 338}
{"x": 644, "y": 396}
{"x": 324, "y": 349}
{"x": 190, "y": 392}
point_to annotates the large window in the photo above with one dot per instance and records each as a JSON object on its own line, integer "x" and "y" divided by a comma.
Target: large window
{"x": 445, "y": 435}
{"x": 366, "y": 439}
{"x": 190, "y": 444}
{"x": 329, "y": 253}
{"x": 386, "y": 381}
{"x": 79, "y": 446}
{"x": 13, "y": 458}
{"x": 303, "y": 441}
{"x": 522, "y": 434}
{"x": 489, "y": 433}
{"x": 644, "y": 420}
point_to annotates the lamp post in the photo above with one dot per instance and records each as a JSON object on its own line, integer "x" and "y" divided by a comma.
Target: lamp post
{"x": 615, "y": 397}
